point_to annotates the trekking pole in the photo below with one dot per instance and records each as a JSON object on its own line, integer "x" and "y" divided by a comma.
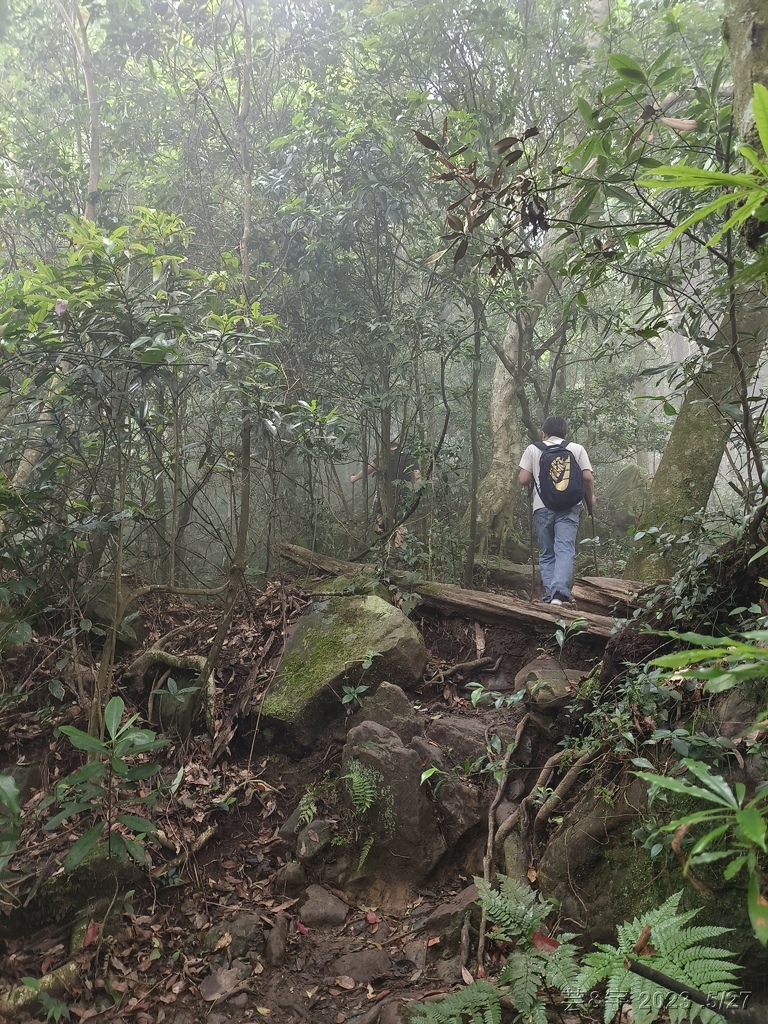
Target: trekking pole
{"x": 533, "y": 561}
{"x": 594, "y": 541}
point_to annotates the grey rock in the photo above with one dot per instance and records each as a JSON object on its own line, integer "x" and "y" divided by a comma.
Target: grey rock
{"x": 364, "y": 966}
{"x": 290, "y": 878}
{"x": 322, "y": 908}
{"x": 246, "y": 931}
{"x": 407, "y": 840}
{"x": 277, "y": 942}
{"x": 313, "y": 839}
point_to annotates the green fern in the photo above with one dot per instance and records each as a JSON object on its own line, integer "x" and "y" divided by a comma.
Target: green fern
{"x": 365, "y": 849}
{"x": 478, "y": 1003}
{"x": 363, "y": 785}
{"x": 307, "y": 809}
{"x": 678, "y": 951}
{"x": 515, "y": 910}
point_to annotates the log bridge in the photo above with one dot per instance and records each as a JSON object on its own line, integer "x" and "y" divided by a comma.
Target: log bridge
{"x": 598, "y": 600}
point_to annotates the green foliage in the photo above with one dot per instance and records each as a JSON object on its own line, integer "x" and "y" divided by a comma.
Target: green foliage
{"x": 307, "y": 807}
{"x": 478, "y": 1003}
{"x": 567, "y": 631}
{"x": 10, "y": 820}
{"x": 112, "y": 777}
{"x": 674, "y": 948}
{"x": 722, "y": 662}
{"x": 480, "y": 695}
{"x": 175, "y": 692}
{"x": 55, "y": 1009}
{"x": 538, "y": 962}
{"x": 732, "y": 820}
{"x": 745, "y": 194}
{"x": 363, "y": 785}
{"x": 351, "y": 696}
{"x": 515, "y": 910}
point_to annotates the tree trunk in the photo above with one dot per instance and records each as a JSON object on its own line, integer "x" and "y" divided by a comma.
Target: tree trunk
{"x": 497, "y": 494}
{"x": 688, "y": 468}
{"x": 744, "y": 30}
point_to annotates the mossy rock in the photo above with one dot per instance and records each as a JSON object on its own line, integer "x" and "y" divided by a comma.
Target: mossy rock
{"x": 334, "y": 647}
{"x": 349, "y": 586}
{"x": 63, "y": 897}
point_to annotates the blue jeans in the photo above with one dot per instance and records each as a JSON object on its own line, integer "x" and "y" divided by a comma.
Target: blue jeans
{"x": 556, "y": 532}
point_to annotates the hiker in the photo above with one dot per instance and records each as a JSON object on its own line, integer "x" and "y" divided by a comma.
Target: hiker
{"x": 559, "y": 475}
{"x": 404, "y": 477}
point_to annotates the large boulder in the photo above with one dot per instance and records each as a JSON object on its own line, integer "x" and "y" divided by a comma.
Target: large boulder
{"x": 344, "y": 642}
{"x": 407, "y": 842}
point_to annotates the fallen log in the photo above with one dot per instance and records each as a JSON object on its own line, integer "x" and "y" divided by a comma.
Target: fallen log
{"x": 602, "y": 595}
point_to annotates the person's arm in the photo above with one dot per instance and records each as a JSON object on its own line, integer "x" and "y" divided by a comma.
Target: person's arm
{"x": 525, "y": 479}
{"x": 589, "y": 490}
{"x": 359, "y": 475}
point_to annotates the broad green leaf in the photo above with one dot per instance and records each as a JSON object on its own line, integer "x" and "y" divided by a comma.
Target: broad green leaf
{"x": 752, "y": 825}
{"x": 586, "y": 112}
{"x": 722, "y": 682}
{"x": 734, "y": 868}
{"x": 142, "y": 771}
{"x": 81, "y": 740}
{"x": 760, "y": 113}
{"x": 9, "y": 795}
{"x": 704, "y": 842}
{"x": 89, "y": 771}
{"x": 716, "y": 783}
{"x": 751, "y": 156}
{"x": 758, "y": 909}
{"x": 710, "y": 857}
{"x": 704, "y": 639}
{"x": 627, "y": 68}
{"x": 681, "y": 786}
{"x": 67, "y": 812}
{"x": 83, "y": 847}
{"x": 113, "y": 714}
{"x": 136, "y": 823}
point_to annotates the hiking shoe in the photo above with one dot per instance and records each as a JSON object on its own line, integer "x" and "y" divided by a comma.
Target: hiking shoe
{"x": 556, "y": 600}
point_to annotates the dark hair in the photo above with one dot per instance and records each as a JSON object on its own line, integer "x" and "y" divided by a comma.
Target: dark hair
{"x": 555, "y": 426}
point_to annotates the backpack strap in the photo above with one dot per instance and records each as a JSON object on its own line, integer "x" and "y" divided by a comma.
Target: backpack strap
{"x": 534, "y": 482}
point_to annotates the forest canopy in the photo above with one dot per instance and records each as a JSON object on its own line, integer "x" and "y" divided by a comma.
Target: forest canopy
{"x": 249, "y": 248}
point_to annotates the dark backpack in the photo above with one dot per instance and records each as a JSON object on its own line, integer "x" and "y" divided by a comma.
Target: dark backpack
{"x": 561, "y": 482}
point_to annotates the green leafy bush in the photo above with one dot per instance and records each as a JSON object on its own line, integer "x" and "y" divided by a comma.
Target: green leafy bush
{"x": 112, "y": 777}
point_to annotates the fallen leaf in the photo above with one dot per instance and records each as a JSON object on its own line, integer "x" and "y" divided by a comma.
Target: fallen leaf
{"x": 544, "y": 942}
{"x": 371, "y": 917}
{"x": 263, "y": 1011}
{"x": 434, "y": 941}
{"x": 223, "y": 941}
{"x": 532, "y": 874}
{"x": 344, "y": 981}
{"x": 466, "y": 976}
{"x": 91, "y": 932}
{"x": 302, "y": 928}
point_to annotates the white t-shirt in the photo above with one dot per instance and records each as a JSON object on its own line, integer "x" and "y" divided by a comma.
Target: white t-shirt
{"x": 531, "y": 458}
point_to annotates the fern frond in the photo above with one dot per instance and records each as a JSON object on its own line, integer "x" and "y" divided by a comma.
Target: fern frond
{"x": 514, "y": 910}
{"x": 364, "y": 851}
{"x": 561, "y": 968}
{"x": 478, "y": 1003}
{"x": 523, "y": 972}
{"x": 363, "y": 784}
{"x": 307, "y": 808}
{"x": 679, "y": 951}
